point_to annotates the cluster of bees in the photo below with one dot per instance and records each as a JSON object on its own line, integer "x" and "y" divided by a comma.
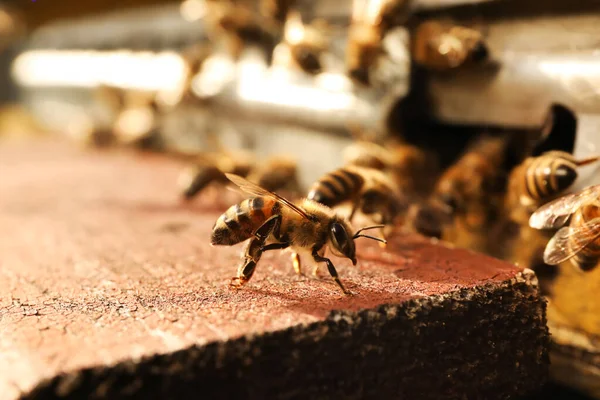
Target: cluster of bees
{"x": 290, "y": 39}
{"x": 485, "y": 200}
{"x": 479, "y": 202}
{"x": 303, "y": 42}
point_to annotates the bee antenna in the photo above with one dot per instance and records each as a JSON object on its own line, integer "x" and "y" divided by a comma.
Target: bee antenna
{"x": 371, "y": 237}
{"x": 366, "y": 228}
{"x": 586, "y": 161}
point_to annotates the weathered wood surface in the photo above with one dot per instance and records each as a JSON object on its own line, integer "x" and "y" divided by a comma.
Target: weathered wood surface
{"x": 102, "y": 268}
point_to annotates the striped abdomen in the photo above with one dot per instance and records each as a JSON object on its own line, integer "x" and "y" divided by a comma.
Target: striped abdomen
{"x": 587, "y": 258}
{"x": 548, "y": 175}
{"x": 240, "y": 221}
{"x": 336, "y": 187}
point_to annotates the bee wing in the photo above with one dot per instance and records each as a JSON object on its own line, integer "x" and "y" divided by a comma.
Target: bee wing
{"x": 557, "y": 212}
{"x": 569, "y": 241}
{"x": 254, "y": 189}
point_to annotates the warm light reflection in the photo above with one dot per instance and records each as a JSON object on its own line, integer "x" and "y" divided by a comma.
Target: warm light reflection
{"x": 579, "y": 77}
{"x": 217, "y": 71}
{"x": 122, "y": 69}
{"x": 134, "y": 123}
{"x": 294, "y": 29}
{"x": 373, "y": 11}
{"x": 367, "y": 11}
{"x": 256, "y": 84}
{"x": 192, "y": 10}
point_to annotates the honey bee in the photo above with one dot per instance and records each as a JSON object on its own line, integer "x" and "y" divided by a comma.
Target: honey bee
{"x": 367, "y": 189}
{"x": 412, "y": 168}
{"x": 473, "y": 178}
{"x": 471, "y": 192}
{"x": 440, "y": 45}
{"x": 578, "y": 242}
{"x": 371, "y": 20}
{"x": 276, "y": 173}
{"x": 211, "y": 169}
{"x": 304, "y": 43}
{"x": 237, "y": 23}
{"x": 539, "y": 179}
{"x": 273, "y": 223}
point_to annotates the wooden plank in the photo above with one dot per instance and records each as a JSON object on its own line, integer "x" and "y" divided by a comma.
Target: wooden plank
{"x": 109, "y": 287}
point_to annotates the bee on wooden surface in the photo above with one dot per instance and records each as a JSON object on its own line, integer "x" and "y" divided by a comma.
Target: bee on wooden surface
{"x": 580, "y": 240}
{"x": 412, "y": 168}
{"x": 276, "y": 173}
{"x": 441, "y": 45}
{"x": 540, "y": 179}
{"x": 211, "y": 169}
{"x": 273, "y": 223}
{"x": 371, "y": 20}
{"x": 368, "y": 190}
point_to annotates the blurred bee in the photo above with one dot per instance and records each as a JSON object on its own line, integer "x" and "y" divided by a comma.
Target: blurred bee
{"x": 276, "y": 9}
{"x": 272, "y": 223}
{"x": 470, "y": 192}
{"x": 211, "y": 169}
{"x": 369, "y": 191}
{"x": 580, "y": 240}
{"x": 441, "y": 45}
{"x": 540, "y": 179}
{"x": 237, "y": 23}
{"x": 371, "y": 20}
{"x": 412, "y": 168}
{"x": 303, "y": 44}
{"x": 275, "y": 174}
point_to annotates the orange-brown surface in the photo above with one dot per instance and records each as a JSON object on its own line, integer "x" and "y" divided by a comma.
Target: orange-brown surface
{"x": 99, "y": 262}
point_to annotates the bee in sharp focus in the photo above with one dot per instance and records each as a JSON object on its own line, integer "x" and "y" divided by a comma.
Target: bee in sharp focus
{"x": 273, "y": 223}
{"x": 580, "y": 240}
{"x": 441, "y": 45}
{"x": 371, "y": 20}
{"x": 369, "y": 191}
{"x": 540, "y": 179}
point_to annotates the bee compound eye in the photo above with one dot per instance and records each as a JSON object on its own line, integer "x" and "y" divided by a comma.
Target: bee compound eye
{"x": 339, "y": 234}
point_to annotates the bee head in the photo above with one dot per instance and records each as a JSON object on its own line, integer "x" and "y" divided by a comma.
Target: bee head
{"x": 342, "y": 243}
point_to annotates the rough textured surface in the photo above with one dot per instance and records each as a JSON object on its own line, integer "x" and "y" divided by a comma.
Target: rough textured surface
{"x": 103, "y": 271}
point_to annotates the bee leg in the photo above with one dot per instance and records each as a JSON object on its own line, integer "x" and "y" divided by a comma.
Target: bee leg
{"x": 296, "y": 263}
{"x": 331, "y": 268}
{"x": 254, "y": 250}
{"x": 355, "y": 205}
{"x": 252, "y": 255}
{"x": 384, "y": 220}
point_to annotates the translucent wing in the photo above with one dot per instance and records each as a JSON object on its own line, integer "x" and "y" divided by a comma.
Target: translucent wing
{"x": 254, "y": 189}
{"x": 569, "y": 241}
{"x": 557, "y": 212}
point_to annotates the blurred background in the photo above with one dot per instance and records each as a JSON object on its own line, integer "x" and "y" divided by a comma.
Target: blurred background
{"x": 211, "y": 80}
